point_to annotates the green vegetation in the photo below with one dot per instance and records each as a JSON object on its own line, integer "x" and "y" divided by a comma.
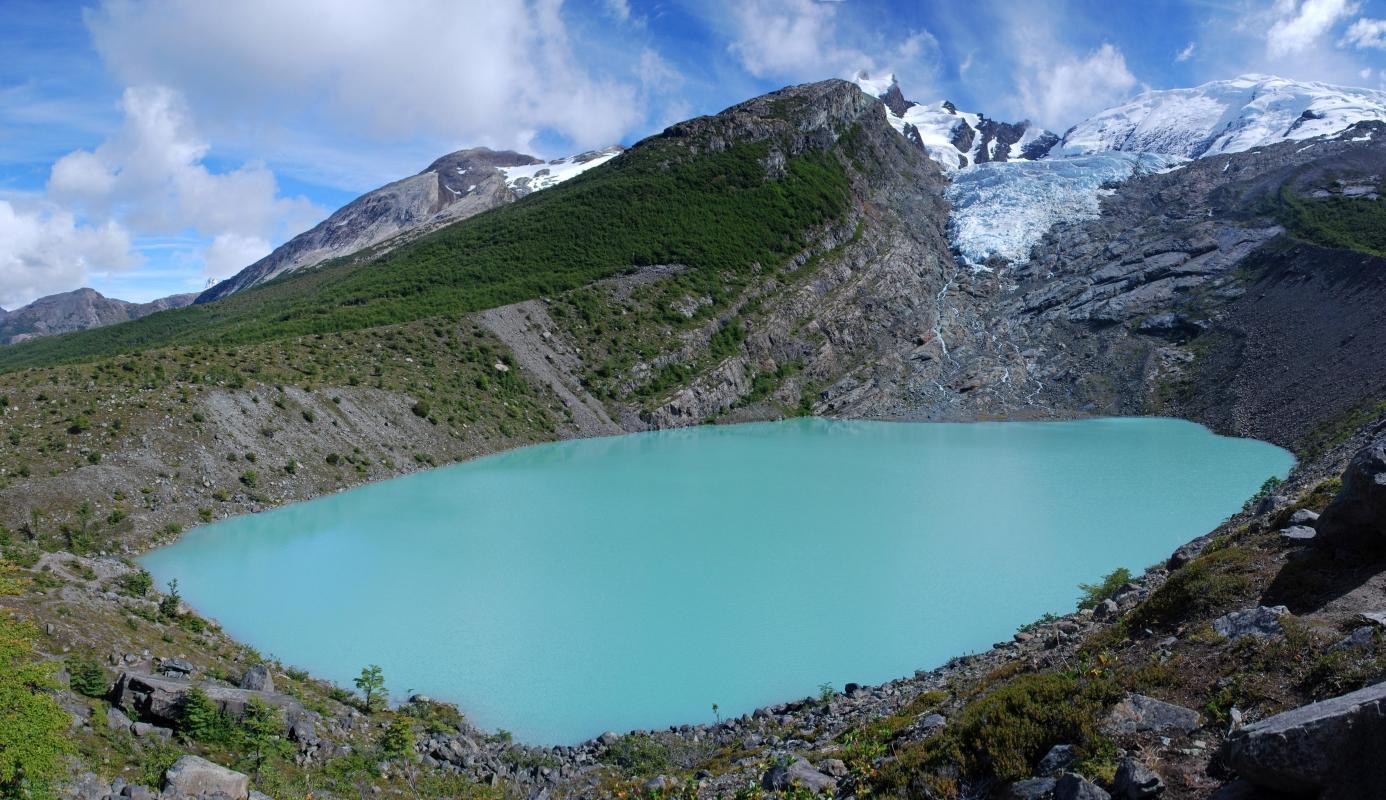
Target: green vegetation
{"x": 371, "y": 685}
{"x": 1095, "y": 593}
{"x": 168, "y": 604}
{"x": 1216, "y": 579}
{"x": 136, "y": 584}
{"x": 638, "y": 754}
{"x": 1267, "y": 489}
{"x": 716, "y": 212}
{"x": 1348, "y": 223}
{"x": 87, "y": 676}
{"x": 397, "y": 743}
{"x": 1002, "y": 734}
{"x": 33, "y": 726}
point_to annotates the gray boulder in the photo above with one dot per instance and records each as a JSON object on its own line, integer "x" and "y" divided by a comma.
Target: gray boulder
{"x": 1331, "y": 749}
{"x": 1356, "y": 519}
{"x": 1137, "y": 713}
{"x": 781, "y": 777}
{"x": 1360, "y": 639}
{"x": 1304, "y": 517}
{"x": 1136, "y": 781}
{"x": 1031, "y": 789}
{"x": 1076, "y": 787}
{"x": 116, "y": 720}
{"x": 159, "y": 697}
{"x": 194, "y": 777}
{"x": 1260, "y": 621}
{"x": 139, "y": 793}
{"x": 257, "y": 678}
{"x": 1107, "y": 609}
{"x": 176, "y": 666}
{"x": 1298, "y": 534}
{"x": 1057, "y": 761}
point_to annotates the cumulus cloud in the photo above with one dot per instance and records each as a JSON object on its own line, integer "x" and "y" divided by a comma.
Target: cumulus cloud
{"x": 806, "y": 40}
{"x": 1057, "y": 89}
{"x": 151, "y": 175}
{"x": 1365, "y": 33}
{"x": 148, "y": 179}
{"x": 1301, "y": 24}
{"x": 474, "y": 71}
{"x": 45, "y": 250}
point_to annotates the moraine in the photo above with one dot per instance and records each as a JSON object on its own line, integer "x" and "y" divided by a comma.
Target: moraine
{"x": 565, "y": 589}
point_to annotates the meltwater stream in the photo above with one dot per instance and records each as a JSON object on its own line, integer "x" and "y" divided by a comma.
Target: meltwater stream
{"x": 561, "y": 590}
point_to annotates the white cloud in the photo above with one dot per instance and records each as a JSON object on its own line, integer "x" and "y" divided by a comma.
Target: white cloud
{"x": 467, "y": 71}
{"x": 151, "y": 175}
{"x": 806, "y": 40}
{"x": 229, "y": 253}
{"x": 1057, "y": 89}
{"x": 617, "y": 9}
{"x": 45, "y": 250}
{"x": 1366, "y": 33}
{"x": 1300, "y": 25}
{"x": 1186, "y": 53}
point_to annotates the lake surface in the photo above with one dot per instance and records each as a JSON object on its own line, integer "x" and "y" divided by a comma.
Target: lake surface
{"x": 561, "y": 590}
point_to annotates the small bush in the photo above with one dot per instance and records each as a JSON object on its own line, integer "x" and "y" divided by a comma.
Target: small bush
{"x": 250, "y": 479}
{"x": 397, "y": 743}
{"x": 86, "y": 676}
{"x": 638, "y": 754}
{"x": 136, "y": 584}
{"x": 420, "y": 409}
{"x": 1095, "y": 593}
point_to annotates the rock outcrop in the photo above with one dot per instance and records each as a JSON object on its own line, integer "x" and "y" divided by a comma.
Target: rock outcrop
{"x": 1356, "y": 519}
{"x": 192, "y": 778}
{"x": 1331, "y": 749}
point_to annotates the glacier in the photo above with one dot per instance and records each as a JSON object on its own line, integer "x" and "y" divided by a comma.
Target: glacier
{"x": 1002, "y": 209}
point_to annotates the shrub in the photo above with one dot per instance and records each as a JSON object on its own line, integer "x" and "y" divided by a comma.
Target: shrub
{"x": 86, "y": 676}
{"x": 638, "y": 754}
{"x": 33, "y": 727}
{"x": 1095, "y": 593}
{"x": 250, "y": 479}
{"x": 199, "y": 718}
{"x": 168, "y": 605}
{"x": 1211, "y": 581}
{"x": 397, "y": 743}
{"x": 420, "y": 409}
{"x": 136, "y": 584}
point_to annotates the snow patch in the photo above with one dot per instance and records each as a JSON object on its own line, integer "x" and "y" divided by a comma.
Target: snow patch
{"x": 533, "y": 177}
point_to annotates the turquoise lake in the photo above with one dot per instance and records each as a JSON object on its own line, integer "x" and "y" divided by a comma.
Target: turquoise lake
{"x": 561, "y": 590}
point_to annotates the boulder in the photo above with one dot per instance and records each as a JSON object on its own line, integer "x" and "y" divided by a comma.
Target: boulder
{"x": 116, "y": 720}
{"x": 1331, "y": 749}
{"x": 194, "y": 777}
{"x": 1377, "y": 618}
{"x": 835, "y": 767}
{"x": 1298, "y": 534}
{"x": 1107, "y": 609}
{"x": 1031, "y": 789}
{"x": 139, "y": 793}
{"x": 781, "y": 777}
{"x": 1360, "y": 639}
{"x": 158, "y": 697}
{"x": 1304, "y": 517}
{"x": 1137, "y": 713}
{"x": 257, "y": 678}
{"x": 1259, "y": 621}
{"x": 1057, "y": 761}
{"x": 1076, "y": 787}
{"x": 176, "y": 666}
{"x": 1356, "y": 519}
{"x": 1136, "y": 781}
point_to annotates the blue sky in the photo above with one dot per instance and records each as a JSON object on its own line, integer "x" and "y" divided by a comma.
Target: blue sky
{"x": 150, "y": 146}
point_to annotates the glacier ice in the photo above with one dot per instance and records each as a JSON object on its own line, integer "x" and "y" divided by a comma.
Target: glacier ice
{"x": 1004, "y": 208}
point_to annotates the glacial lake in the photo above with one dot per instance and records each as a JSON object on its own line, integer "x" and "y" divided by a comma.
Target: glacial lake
{"x": 561, "y": 590}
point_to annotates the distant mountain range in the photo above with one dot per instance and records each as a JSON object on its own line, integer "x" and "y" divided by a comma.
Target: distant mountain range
{"x": 77, "y": 310}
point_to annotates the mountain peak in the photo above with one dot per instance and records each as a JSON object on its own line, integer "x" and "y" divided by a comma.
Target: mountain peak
{"x": 955, "y": 138}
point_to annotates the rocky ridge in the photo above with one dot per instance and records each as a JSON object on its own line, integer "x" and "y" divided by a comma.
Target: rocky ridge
{"x": 77, "y": 310}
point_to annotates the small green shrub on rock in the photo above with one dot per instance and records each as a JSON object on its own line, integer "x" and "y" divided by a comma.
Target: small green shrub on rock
{"x": 638, "y": 754}
{"x": 1095, "y": 593}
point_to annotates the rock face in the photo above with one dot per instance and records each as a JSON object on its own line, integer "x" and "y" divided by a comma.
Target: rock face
{"x": 257, "y": 678}
{"x": 1330, "y": 749}
{"x": 193, "y": 777}
{"x": 77, "y": 311}
{"x": 1356, "y": 519}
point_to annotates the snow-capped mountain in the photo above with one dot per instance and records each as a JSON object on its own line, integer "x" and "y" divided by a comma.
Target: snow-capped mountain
{"x": 1224, "y": 117}
{"x": 533, "y": 177}
{"x": 954, "y": 138}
